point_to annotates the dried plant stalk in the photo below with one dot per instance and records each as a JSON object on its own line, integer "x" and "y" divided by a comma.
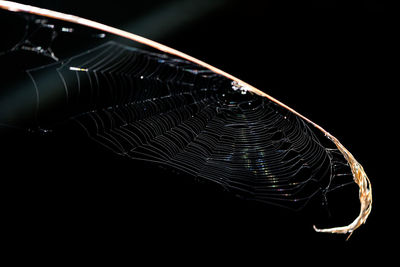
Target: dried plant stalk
{"x": 359, "y": 175}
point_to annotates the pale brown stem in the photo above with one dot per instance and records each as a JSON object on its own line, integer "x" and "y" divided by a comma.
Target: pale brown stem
{"x": 359, "y": 176}
{"x": 365, "y": 193}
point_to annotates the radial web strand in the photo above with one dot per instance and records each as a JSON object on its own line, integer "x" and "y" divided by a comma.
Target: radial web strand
{"x": 157, "y": 108}
{"x": 171, "y": 109}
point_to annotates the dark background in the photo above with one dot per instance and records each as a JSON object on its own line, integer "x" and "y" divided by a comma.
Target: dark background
{"x": 328, "y": 60}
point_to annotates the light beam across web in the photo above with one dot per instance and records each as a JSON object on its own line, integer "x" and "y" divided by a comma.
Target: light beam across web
{"x": 200, "y": 119}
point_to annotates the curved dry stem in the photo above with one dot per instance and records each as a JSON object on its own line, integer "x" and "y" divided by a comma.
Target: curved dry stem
{"x": 359, "y": 175}
{"x": 365, "y": 193}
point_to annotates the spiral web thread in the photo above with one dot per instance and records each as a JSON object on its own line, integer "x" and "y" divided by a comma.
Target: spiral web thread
{"x": 158, "y": 108}
{"x": 341, "y": 162}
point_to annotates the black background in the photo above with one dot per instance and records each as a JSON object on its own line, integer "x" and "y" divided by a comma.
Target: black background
{"x": 328, "y": 60}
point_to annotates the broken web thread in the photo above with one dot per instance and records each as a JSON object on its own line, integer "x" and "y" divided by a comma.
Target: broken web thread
{"x": 157, "y": 108}
{"x": 38, "y": 37}
{"x": 40, "y": 34}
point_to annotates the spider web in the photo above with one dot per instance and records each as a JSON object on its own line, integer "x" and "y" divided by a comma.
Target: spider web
{"x": 157, "y": 108}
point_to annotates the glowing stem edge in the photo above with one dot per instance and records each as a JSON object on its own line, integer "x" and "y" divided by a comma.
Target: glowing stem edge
{"x": 359, "y": 175}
